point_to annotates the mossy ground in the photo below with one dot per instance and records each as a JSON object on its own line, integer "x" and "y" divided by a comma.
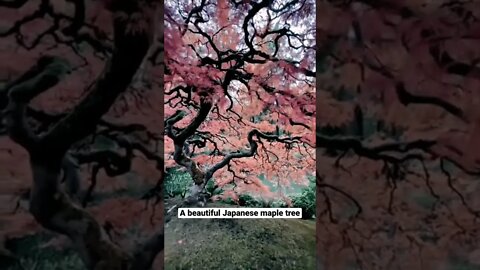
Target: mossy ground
{"x": 31, "y": 255}
{"x": 239, "y": 244}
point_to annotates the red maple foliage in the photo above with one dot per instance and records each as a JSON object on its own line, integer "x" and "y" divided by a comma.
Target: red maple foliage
{"x": 240, "y": 92}
{"x": 398, "y": 165}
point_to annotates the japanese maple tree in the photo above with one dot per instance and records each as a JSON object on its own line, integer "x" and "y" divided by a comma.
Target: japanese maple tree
{"x": 240, "y": 92}
{"x": 397, "y": 134}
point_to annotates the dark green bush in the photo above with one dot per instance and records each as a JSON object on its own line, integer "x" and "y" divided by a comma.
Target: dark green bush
{"x": 307, "y": 200}
{"x": 212, "y": 189}
{"x": 176, "y": 183}
{"x": 247, "y": 200}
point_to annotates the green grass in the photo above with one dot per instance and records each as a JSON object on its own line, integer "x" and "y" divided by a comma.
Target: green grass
{"x": 239, "y": 244}
{"x": 32, "y": 256}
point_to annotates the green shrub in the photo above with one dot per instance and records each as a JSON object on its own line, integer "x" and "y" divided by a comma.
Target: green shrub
{"x": 212, "y": 189}
{"x": 247, "y": 200}
{"x": 176, "y": 183}
{"x": 307, "y": 200}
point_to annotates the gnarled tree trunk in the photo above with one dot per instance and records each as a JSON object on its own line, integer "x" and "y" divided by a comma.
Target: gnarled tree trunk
{"x": 54, "y": 210}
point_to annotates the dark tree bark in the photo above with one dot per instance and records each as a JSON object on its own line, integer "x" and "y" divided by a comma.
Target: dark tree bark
{"x": 358, "y": 122}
